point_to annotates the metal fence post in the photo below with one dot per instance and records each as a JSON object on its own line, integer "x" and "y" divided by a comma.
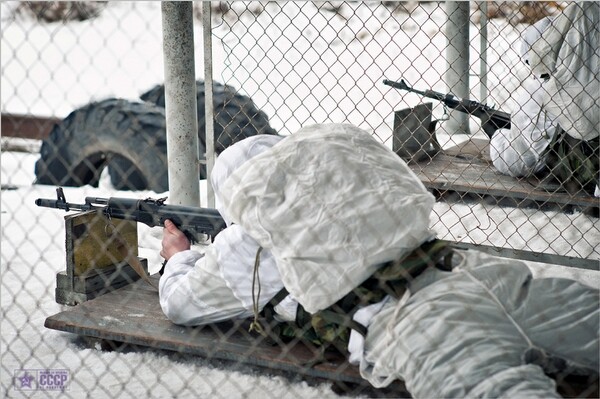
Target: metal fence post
{"x": 483, "y": 45}
{"x": 180, "y": 103}
{"x": 457, "y": 55}
{"x": 208, "y": 100}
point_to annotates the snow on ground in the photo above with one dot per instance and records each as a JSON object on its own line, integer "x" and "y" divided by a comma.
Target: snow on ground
{"x": 33, "y": 252}
{"x": 53, "y": 71}
{"x": 296, "y": 62}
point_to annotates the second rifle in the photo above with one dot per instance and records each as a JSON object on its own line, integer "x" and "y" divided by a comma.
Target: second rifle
{"x": 491, "y": 118}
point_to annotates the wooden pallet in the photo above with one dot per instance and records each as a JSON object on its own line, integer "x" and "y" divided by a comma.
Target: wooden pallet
{"x": 466, "y": 172}
{"x": 132, "y": 315}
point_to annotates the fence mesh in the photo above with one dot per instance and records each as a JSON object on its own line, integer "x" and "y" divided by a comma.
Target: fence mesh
{"x": 83, "y": 108}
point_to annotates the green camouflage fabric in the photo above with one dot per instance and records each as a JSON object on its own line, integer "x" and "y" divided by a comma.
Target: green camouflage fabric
{"x": 330, "y": 328}
{"x": 574, "y": 163}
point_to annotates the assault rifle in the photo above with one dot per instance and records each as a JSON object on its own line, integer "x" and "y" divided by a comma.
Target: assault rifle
{"x": 196, "y": 223}
{"x": 491, "y": 119}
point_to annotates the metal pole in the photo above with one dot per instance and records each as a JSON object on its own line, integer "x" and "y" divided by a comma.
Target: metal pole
{"x": 483, "y": 44}
{"x": 180, "y": 103}
{"x": 208, "y": 100}
{"x": 457, "y": 55}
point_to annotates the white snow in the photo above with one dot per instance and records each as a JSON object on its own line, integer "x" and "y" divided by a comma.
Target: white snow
{"x": 51, "y": 70}
{"x": 33, "y": 252}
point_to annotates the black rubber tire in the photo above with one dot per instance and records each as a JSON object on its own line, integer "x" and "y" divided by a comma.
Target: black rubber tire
{"x": 236, "y": 116}
{"x": 128, "y": 137}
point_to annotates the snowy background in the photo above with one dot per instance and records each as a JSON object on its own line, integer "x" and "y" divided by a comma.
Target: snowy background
{"x": 38, "y": 78}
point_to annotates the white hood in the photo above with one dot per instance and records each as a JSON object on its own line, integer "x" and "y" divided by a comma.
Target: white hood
{"x": 531, "y": 35}
{"x": 568, "y": 51}
{"x": 332, "y": 204}
{"x": 234, "y": 156}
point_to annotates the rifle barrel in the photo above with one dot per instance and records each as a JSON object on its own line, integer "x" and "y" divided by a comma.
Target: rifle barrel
{"x": 403, "y": 86}
{"x": 397, "y": 85}
{"x": 58, "y": 204}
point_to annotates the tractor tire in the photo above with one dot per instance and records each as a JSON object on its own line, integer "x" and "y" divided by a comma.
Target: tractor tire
{"x": 236, "y": 116}
{"x": 127, "y": 137}
{"x": 130, "y": 139}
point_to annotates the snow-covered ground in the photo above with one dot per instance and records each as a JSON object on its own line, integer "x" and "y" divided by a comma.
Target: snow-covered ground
{"x": 300, "y": 63}
{"x": 52, "y": 70}
{"x": 32, "y": 253}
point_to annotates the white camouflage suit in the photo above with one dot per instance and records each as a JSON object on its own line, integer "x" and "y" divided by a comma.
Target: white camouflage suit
{"x": 329, "y": 204}
{"x": 563, "y": 53}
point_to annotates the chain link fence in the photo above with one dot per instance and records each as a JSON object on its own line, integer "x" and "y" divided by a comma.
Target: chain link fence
{"x": 87, "y": 78}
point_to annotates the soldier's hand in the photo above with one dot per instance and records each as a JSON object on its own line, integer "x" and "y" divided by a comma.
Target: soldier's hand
{"x": 173, "y": 241}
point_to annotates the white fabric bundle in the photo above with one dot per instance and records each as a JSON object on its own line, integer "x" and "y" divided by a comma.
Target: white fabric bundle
{"x": 331, "y": 203}
{"x": 569, "y": 51}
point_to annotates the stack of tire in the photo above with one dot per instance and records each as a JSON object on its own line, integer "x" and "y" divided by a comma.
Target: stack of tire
{"x": 129, "y": 137}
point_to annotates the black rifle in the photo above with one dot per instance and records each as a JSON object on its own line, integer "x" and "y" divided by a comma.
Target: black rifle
{"x": 491, "y": 119}
{"x": 197, "y": 224}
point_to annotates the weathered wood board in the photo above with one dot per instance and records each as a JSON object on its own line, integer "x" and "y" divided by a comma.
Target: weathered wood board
{"x": 466, "y": 170}
{"x": 465, "y": 173}
{"x": 98, "y": 251}
{"x": 132, "y": 315}
{"x": 91, "y": 242}
{"x": 27, "y": 126}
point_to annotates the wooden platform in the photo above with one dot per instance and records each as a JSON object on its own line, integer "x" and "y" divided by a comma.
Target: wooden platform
{"x": 464, "y": 173}
{"x": 467, "y": 172}
{"x": 132, "y": 315}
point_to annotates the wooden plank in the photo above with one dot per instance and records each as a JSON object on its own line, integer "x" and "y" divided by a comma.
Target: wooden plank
{"x": 97, "y": 254}
{"x": 93, "y": 241}
{"x": 472, "y": 174}
{"x": 133, "y": 315}
{"x": 553, "y": 259}
{"x": 78, "y": 289}
{"x": 465, "y": 172}
{"x": 115, "y": 276}
{"x": 27, "y": 126}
